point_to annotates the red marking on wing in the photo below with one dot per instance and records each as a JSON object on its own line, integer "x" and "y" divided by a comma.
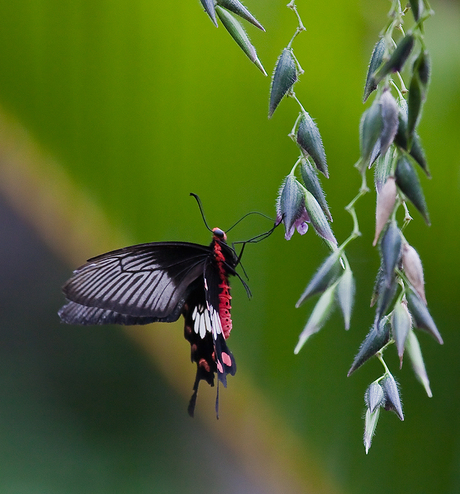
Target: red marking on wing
{"x": 224, "y": 293}
{"x": 226, "y": 359}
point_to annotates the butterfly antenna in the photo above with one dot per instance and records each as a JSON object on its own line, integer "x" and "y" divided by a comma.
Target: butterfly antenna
{"x": 254, "y": 240}
{"x": 248, "y": 214}
{"x": 201, "y": 210}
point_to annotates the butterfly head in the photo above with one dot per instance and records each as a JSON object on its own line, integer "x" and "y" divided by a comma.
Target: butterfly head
{"x": 219, "y": 234}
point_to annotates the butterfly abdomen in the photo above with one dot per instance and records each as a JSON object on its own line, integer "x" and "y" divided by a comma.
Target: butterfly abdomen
{"x": 224, "y": 292}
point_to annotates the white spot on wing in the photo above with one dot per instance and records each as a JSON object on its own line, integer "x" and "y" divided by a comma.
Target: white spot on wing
{"x": 206, "y": 320}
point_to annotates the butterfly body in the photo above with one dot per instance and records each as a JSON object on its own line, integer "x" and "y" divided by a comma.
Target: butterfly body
{"x": 159, "y": 282}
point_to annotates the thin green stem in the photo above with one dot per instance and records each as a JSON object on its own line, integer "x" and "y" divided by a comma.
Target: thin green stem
{"x": 291, "y": 5}
{"x": 351, "y": 209}
{"x": 380, "y": 357}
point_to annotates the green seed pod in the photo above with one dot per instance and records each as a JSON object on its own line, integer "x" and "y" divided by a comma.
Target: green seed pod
{"x": 326, "y": 275}
{"x": 313, "y": 185}
{"x": 374, "y": 396}
{"x": 422, "y": 67}
{"x": 417, "y": 152}
{"x": 416, "y": 7}
{"x": 421, "y": 316}
{"x": 374, "y": 64}
{"x": 383, "y": 170}
{"x": 370, "y": 423}
{"x": 401, "y": 324}
{"x": 291, "y": 203}
{"x": 318, "y": 218}
{"x": 390, "y": 112}
{"x": 414, "y": 270}
{"x": 386, "y": 201}
{"x": 238, "y": 8}
{"x": 407, "y": 180}
{"x": 310, "y": 142}
{"x": 370, "y": 128}
{"x": 378, "y": 283}
{"x": 397, "y": 58}
{"x": 345, "y": 295}
{"x": 415, "y": 355}
{"x": 415, "y": 106}
{"x": 392, "y": 399}
{"x": 390, "y": 249}
{"x": 318, "y": 318}
{"x": 375, "y": 340}
{"x": 237, "y": 32}
{"x": 401, "y": 133}
{"x": 416, "y": 149}
{"x": 386, "y": 295}
{"x": 284, "y": 77}
{"x": 210, "y": 9}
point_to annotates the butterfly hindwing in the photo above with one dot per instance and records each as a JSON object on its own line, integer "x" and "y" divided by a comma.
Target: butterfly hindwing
{"x": 73, "y": 313}
{"x": 217, "y": 292}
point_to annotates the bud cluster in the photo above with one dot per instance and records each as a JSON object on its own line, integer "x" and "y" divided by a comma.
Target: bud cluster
{"x": 390, "y": 144}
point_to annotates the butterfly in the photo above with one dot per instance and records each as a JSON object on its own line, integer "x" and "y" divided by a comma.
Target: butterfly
{"x": 159, "y": 282}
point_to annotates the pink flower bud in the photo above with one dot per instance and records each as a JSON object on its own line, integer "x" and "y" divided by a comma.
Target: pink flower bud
{"x": 385, "y": 205}
{"x": 413, "y": 268}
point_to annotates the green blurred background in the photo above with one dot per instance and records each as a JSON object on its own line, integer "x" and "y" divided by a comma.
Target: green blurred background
{"x": 110, "y": 114}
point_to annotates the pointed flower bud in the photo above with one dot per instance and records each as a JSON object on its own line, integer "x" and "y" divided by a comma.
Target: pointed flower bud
{"x": 407, "y": 180}
{"x": 417, "y": 152}
{"x": 370, "y": 424}
{"x": 390, "y": 112}
{"x": 326, "y": 275}
{"x": 318, "y": 317}
{"x": 421, "y": 316}
{"x": 386, "y": 295}
{"x": 313, "y": 185}
{"x": 378, "y": 283}
{"x": 374, "y": 396}
{"x": 382, "y": 170}
{"x": 375, "y": 340}
{"x": 290, "y": 207}
{"x": 310, "y": 142}
{"x": 284, "y": 77}
{"x": 236, "y": 31}
{"x": 392, "y": 398}
{"x": 390, "y": 247}
{"x": 386, "y": 201}
{"x": 374, "y": 64}
{"x": 346, "y": 295}
{"x": 414, "y": 270}
{"x": 318, "y": 218}
{"x": 422, "y": 67}
{"x": 416, "y": 7}
{"x": 414, "y": 104}
{"x": 397, "y": 58}
{"x": 209, "y": 8}
{"x": 416, "y": 149}
{"x": 415, "y": 355}
{"x": 238, "y": 8}
{"x": 401, "y": 324}
{"x": 370, "y": 128}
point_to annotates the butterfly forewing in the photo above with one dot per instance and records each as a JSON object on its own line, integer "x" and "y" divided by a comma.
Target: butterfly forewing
{"x": 146, "y": 280}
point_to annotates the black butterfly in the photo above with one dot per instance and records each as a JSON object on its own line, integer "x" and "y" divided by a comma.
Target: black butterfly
{"x": 159, "y": 281}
